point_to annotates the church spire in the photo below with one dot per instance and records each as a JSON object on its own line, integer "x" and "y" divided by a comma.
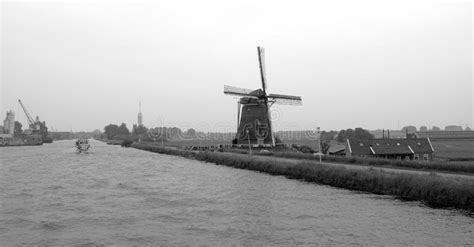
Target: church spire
{"x": 140, "y": 116}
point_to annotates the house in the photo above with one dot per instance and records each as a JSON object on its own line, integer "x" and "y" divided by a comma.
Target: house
{"x": 337, "y": 149}
{"x": 400, "y": 149}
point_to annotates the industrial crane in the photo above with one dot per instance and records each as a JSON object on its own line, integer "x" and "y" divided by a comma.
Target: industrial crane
{"x": 34, "y": 125}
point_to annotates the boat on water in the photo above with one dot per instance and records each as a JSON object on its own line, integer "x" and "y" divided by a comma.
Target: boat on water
{"x": 82, "y": 145}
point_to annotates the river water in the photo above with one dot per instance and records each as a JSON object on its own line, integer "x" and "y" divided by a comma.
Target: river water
{"x": 113, "y": 196}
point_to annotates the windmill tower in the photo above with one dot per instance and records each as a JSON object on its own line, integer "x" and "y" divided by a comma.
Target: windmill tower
{"x": 140, "y": 116}
{"x": 253, "y": 117}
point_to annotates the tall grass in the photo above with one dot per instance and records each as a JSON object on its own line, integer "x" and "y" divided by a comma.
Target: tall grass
{"x": 433, "y": 190}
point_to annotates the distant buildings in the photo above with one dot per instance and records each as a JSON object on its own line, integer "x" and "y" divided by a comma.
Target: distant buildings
{"x": 400, "y": 149}
{"x": 409, "y": 129}
{"x": 453, "y": 128}
{"x": 466, "y": 134}
{"x": 449, "y": 132}
{"x": 423, "y": 128}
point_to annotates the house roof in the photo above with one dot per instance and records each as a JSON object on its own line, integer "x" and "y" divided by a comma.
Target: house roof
{"x": 390, "y": 146}
{"x": 336, "y": 148}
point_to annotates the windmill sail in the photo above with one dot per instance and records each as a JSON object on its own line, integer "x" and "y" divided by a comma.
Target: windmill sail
{"x": 282, "y": 99}
{"x": 237, "y": 91}
{"x": 261, "y": 61}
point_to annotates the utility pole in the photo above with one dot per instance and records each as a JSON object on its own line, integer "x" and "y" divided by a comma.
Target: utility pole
{"x": 318, "y": 130}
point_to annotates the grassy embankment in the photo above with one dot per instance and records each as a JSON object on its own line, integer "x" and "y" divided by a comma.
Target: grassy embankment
{"x": 452, "y": 156}
{"x": 433, "y": 190}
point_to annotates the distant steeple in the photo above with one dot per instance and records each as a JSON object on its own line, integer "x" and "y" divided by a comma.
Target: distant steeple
{"x": 140, "y": 116}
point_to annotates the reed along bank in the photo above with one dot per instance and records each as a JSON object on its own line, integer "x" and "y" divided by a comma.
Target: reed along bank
{"x": 433, "y": 190}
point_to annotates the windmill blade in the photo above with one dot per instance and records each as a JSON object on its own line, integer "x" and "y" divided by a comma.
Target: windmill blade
{"x": 282, "y": 99}
{"x": 261, "y": 61}
{"x": 286, "y": 101}
{"x": 237, "y": 91}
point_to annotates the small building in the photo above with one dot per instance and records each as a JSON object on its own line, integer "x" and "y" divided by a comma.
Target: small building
{"x": 9, "y": 123}
{"x": 400, "y": 149}
{"x": 337, "y": 150}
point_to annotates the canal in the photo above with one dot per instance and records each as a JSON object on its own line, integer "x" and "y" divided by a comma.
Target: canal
{"x": 52, "y": 196}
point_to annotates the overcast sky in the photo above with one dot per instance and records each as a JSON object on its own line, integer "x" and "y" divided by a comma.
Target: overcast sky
{"x": 371, "y": 64}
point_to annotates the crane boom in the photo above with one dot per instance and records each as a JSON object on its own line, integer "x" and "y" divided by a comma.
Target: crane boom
{"x": 31, "y": 122}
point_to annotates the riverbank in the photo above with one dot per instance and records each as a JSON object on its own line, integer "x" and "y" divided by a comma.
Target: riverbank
{"x": 433, "y": 190}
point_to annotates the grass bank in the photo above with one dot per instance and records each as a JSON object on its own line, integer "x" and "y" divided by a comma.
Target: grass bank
{"x": 433, "y": 190}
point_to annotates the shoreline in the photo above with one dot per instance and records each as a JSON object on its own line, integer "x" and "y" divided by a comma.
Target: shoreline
{"x": 433, "y": 190}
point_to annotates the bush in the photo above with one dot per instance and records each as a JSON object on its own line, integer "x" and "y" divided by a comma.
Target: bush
{"x": 126, "y": 143}
{"x": 303, "y": 148}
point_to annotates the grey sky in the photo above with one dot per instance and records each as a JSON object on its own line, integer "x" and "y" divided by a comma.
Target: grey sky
{"x": 370, "y": 64}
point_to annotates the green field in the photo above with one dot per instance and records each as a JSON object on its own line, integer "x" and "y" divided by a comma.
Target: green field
{"x": 454, "y": 149}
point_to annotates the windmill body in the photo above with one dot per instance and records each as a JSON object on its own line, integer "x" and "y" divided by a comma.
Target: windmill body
{"x": 254, "y": 118}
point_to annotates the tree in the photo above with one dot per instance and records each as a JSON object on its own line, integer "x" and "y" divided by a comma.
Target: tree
{"x": 18, "y": 129}
{"x": 191, "y": 132}
{"x": 435, "y": 128}
{"x": 423, "y": 128}
{"x": 341, "y": 136}
{"x": 174, "y": 133}
{"x": 328, "y": 135}
{"x": 111, "y": 130}
{"x": 324, "y": 147}
{"x": 357, "y": 134}
{"x": 362, "y": 134}
{"x": 139, "y": 130}
{"x": 157, "y": 134}
{"x": 123, "y": 130}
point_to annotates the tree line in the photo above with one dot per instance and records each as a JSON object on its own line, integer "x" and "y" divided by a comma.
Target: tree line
{"x": 141, "y": 132}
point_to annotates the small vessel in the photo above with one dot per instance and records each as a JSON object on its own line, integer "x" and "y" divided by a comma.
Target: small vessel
{"x": 82, "y": 145}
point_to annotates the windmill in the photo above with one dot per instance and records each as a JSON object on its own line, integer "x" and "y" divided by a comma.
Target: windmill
{"x": 253, "y": 109}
